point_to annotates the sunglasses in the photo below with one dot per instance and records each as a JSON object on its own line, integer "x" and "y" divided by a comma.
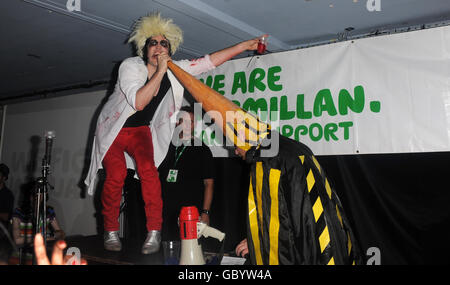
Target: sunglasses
{"x": 163, "y": 43}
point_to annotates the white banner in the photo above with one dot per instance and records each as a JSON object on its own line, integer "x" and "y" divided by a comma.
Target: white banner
{"x": 387, "y": 94}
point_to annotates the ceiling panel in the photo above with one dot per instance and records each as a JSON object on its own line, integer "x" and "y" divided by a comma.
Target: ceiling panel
{"x": 45, "y": 46}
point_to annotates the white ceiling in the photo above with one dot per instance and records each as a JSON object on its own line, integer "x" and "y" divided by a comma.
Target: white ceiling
{"x": 46, "y": 48}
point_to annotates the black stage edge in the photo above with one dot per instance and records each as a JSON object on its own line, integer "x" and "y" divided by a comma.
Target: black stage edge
{"x": 91, "y": 248}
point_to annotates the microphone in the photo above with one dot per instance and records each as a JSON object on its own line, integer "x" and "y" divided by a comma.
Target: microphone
{"x": 49, "y": 136}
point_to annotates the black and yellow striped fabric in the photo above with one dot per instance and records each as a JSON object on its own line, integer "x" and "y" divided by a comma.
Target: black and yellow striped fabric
{"x": 294, "y": 215}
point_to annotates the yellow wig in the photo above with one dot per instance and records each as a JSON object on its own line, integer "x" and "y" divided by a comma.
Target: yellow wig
{"x": 154, "y": 25}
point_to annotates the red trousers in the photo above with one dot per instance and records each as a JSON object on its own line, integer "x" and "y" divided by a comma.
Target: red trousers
{"x": 137, "y": 142}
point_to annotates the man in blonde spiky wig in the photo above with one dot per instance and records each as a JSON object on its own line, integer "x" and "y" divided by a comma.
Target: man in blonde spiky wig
{"x": 153, "y": 25}
{"x": 135, "y": 126}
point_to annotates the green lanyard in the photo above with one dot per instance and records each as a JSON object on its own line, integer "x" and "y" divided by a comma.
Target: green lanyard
{"x": 178, "y": 155}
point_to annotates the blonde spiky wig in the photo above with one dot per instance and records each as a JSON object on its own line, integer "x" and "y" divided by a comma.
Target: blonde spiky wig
{"x": 154, "y": 25}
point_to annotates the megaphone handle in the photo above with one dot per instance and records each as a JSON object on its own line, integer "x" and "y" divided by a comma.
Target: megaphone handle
{"x": 208, "y": 231}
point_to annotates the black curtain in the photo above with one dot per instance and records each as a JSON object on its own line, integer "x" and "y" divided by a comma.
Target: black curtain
{"x": 399, "y": 203}
{"x": 229, "y": 205}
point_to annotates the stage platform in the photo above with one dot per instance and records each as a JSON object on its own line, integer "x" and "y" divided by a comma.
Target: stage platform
{"x": 91, "y": 249}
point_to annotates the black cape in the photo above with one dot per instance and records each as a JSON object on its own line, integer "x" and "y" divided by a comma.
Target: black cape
{"x": 294, "y": 215}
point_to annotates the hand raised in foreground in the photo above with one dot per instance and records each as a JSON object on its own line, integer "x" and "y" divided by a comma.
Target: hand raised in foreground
{"x": 58, "y": 257}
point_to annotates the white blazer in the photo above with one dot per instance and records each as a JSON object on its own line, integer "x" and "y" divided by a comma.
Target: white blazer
{"x": 132, "y": 76}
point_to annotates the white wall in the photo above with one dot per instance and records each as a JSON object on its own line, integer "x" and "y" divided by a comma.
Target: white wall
{"x": 70, "y": 117}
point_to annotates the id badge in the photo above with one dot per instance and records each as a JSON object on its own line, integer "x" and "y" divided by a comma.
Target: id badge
{"x": 172, "y": 176}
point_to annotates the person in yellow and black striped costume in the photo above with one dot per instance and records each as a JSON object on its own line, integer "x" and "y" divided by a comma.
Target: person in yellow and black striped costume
{"x": 294, "y": 216}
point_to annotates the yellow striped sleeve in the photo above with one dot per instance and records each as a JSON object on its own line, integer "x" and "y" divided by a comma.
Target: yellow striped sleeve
{"x": 324, "y": 239}
{"x": 253, "y": 219}
{"x": 317, "y": 209}
{"x": 274, "y": 180}
{"x": 259, "y": 183}
{"x": 310, "y": 181}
